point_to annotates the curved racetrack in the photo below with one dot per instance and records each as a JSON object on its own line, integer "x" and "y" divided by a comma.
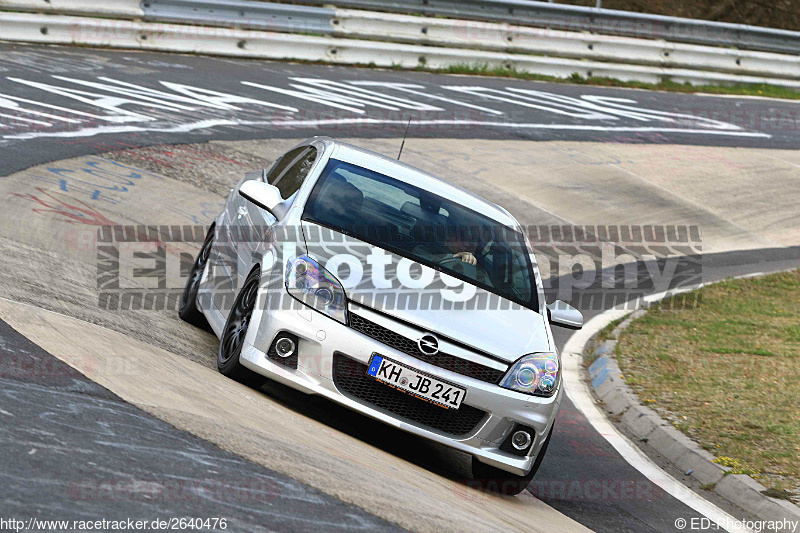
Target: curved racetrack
{"x": 96, "y": 138}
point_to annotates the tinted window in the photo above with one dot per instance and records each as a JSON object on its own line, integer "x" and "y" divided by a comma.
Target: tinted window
{"x": 424, "y": 227}
{"x": 291, "y": 180}
{"x": 283, "y": 163}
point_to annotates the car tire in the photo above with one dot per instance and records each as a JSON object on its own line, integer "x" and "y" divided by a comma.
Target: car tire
{"x": 230, "y": 344}
{"x": 493, "y": 479}
{"x": 187, "y": 307}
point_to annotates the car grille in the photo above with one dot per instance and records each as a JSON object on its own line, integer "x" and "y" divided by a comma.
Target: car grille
{"x": 408, "y": 346}
{"x": 351, "y": 378}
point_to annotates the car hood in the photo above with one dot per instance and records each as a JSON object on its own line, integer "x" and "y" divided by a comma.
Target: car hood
{"x": 486, "y": 322}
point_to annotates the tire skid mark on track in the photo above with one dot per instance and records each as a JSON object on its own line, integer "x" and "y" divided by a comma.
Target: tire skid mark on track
{"x": 154, "y": 198}
{"x": 199, "y": 344}
{"x": 72, "y": 450}
{"x": 447, "y": 504}
{"x": 112, "y": 97}
{"x": 200, "y": 400}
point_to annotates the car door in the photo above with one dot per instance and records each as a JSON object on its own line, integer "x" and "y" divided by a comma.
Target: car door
{"x": 288, "y": 175}
{"x": 221, "y": 282}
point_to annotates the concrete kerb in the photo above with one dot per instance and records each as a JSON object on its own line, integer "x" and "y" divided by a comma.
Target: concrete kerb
{"x": 622, "y": 405}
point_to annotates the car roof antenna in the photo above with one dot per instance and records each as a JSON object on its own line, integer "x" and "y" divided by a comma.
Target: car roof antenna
{"x": 404, "y": 139}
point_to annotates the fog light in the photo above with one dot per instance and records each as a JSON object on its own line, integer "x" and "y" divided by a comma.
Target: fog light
{"x": 285, "y": 347}
{"x": 521, "y": 440}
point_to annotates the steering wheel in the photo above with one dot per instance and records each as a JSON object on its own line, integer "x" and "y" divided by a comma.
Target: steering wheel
{"x": 456, "y": 264}
{"x": 452, "y": 259}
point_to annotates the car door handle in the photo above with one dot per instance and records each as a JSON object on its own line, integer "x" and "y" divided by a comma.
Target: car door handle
{"x": 242, "y": 211}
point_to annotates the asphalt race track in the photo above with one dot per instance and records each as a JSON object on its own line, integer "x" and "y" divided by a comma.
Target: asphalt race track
{"x": 289, "y": 100}
{"x": 110, "y": 455}
{"x": 59, "y": 103}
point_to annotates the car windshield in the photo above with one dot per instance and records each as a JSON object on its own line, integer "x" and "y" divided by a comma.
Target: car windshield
{"x": 426, "y": 228}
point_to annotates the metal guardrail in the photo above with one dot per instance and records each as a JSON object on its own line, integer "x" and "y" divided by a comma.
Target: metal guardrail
{"x": 345, "y": 36}
{"x": 519, "y": 40}
{"x": 242, "y": 14}
{"x": 383, "y": 51}
{"x": 579, "y": 18}
{"x": 302, "y": 18}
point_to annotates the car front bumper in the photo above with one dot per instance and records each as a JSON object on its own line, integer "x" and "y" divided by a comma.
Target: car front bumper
{"x": 321, "y": 340}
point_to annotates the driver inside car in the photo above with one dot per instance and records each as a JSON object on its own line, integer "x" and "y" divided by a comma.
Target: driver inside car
{"x": 442, "y": 240}
{"x": 461, "y": 249}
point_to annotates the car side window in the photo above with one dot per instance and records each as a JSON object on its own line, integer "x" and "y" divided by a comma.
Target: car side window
{"x": 292, "y": 178}
{"x": 283, "y": 163}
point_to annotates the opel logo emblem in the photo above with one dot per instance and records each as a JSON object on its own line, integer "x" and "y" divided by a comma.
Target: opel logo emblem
{"x": 428, "y": 344}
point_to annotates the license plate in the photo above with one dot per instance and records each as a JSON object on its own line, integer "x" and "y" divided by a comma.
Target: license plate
{"x": 416, "y": 383}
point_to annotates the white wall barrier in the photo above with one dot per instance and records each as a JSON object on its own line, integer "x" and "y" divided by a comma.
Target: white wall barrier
{"x": 387, "y": 40}
{"x": 527, "y": 40}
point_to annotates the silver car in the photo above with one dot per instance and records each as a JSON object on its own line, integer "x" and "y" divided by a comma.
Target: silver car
{"x": 347, "y": 274}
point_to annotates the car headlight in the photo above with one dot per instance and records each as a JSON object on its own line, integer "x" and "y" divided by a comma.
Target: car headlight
{"x": 536, "y": 374}
{"x": 309, "y": 282}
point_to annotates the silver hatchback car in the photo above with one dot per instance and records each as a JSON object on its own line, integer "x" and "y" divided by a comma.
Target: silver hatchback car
{"x": 346, "y": 274}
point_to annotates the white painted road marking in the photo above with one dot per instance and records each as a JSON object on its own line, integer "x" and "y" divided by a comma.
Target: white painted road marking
{"x": 190, "y": 107}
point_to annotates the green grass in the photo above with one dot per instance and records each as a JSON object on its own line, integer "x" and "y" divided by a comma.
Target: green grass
{"x": 772, "y": 91}
{"x": 778, "y": 493}
{"x": 727, "y": 372}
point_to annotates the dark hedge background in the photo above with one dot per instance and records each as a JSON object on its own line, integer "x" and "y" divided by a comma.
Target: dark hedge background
{"x": 784, "y": 14}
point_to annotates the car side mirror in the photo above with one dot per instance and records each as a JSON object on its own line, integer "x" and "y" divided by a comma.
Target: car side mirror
{"x": 563, "y": 314}
{"x": 263, "y": 195}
